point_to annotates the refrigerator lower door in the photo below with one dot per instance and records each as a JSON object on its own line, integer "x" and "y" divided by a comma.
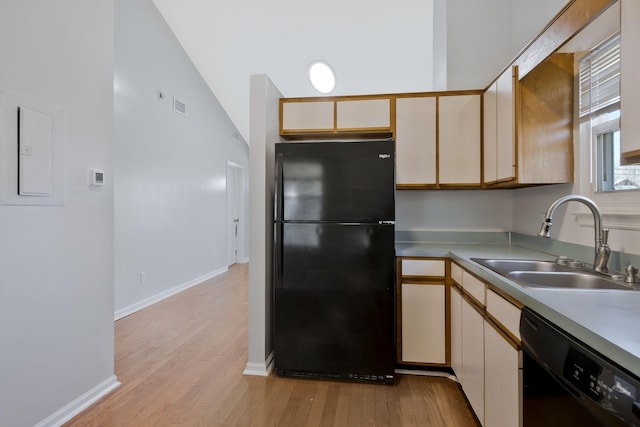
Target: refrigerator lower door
{"x": 335, "y": 302}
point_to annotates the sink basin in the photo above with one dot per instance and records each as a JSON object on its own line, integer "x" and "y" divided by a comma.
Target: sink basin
{"x": 548, "y": 274}
{"x": 504, "y": 266}
{"x": 565, "y": 280}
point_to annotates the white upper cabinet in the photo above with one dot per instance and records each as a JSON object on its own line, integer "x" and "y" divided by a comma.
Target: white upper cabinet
{"x": 505, "y": 129}
{"x": 499, "y": 129}
{"x": 490, "y": 130}
{"x": 307, "y": 116}
{"x": 459, "y": 140}
{"x": 416, "y": 141}
{"x": 363, "y": 114}
{"x": 629, "y": 81}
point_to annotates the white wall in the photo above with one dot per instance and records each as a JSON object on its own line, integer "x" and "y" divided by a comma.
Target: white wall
{"x": 170, "y": 169}
{"x": 56, "y": 262}
{"x": 454, "y": 210}
{"x": 528, "y": 19}
{"x": 264, "y": 135}
{"x": 375, "y": 46}
{"x": 478, "y": 42}
{"x": 482, "y": 38}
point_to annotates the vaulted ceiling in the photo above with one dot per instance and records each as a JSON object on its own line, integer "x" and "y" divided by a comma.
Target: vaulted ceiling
{"x": 374, "y": 46}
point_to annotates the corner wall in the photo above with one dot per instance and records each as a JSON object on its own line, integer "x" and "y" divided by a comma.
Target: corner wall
{"x": 170, "y": 168}
{"x": 264, "y": 134}
{"x": 56, "y": 262}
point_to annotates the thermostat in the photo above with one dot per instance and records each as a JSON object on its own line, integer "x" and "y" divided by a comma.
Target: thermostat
{"x": 96, "y": 177}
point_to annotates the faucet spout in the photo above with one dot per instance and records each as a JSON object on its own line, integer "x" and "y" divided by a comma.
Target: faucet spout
{"x": 600, "y": 263}
{"x": 545, "y": 229}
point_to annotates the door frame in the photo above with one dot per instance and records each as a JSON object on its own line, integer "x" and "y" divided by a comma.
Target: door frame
{"x": 237, "y": 170}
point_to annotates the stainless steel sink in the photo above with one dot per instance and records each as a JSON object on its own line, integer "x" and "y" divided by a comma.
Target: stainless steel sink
{"x": 505, "y": 266}
{"x": 565, "y": 280}
{"x": 549, "y": 274}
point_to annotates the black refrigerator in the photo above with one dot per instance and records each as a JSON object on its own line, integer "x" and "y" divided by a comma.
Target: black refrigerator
{"x": 334, "y": 260}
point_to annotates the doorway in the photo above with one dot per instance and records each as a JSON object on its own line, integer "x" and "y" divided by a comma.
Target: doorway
{"x": 235, "y": 213}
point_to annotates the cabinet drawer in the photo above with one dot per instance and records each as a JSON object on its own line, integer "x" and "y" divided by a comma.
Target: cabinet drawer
{"x": 456, "y": 273}
{"x": 422, "y": 267}
{"x": 504, "y": 312}
{"x": 473, "y": 286}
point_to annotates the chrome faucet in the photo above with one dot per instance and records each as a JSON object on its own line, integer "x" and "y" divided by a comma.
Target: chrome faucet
{"x": 602, "y": 250}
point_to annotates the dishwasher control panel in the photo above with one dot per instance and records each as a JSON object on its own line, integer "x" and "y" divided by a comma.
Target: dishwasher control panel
{"x": 604, "y": 388}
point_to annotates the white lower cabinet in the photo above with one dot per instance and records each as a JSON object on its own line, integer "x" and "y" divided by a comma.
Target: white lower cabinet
{"x": 473, "y": 357}
{"x": 484, "y": 353}
{"x": 456, "y": 333}
{"x": 503, "y": 380}
{"x": 423, "y": 323}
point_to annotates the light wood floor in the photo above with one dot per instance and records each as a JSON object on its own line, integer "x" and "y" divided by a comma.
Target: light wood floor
{"x": 180, "y": 362}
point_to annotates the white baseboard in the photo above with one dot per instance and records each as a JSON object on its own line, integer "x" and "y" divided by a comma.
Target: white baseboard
{"x": 260, "y": 369}
{"x": 123, "y": 312}
{"x": 79, "y": 404}
{"x": 243, "y": 260}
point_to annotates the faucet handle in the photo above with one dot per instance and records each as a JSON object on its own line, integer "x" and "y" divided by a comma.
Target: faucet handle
{"x": 631, "y": 275}
{"x": 605, "y": 236}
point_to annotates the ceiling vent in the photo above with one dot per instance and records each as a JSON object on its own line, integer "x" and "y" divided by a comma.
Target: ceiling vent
{"x": 179, "y": 106}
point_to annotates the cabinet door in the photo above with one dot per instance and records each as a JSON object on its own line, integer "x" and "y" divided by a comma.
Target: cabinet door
{"x": 629, "y": 82}
{"x": 423, "y": 323}
{"x": 456, "y": 333}
{"x": 505, "y": 131}
{"x": 363, "y": 114}
{"x": 503, "y": 380}
{"x": 490, "y": 134}
{"x": 307, "y": 116}
{"x": 459, "y": 139}
{"x": 473, "y": 358}
{"x": 416, "y": 140}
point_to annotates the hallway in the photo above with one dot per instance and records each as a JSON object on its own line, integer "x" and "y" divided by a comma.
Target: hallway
{"x": 180, "y": 363}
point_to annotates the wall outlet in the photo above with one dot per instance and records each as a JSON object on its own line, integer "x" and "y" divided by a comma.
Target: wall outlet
{"x": 143, "y": 277}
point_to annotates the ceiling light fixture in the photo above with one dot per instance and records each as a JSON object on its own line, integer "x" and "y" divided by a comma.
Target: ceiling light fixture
{"x": 322, "y": 77}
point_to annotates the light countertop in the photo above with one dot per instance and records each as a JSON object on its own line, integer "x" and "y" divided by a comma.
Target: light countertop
{"x": 606, "y": 320}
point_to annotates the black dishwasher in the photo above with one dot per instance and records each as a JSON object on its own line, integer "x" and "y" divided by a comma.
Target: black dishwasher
{"x": 566, "y": 383}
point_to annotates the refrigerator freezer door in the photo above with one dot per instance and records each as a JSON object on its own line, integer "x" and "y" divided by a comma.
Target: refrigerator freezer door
{"x": 336, "y": 181}
{"x": 334, "y": 300}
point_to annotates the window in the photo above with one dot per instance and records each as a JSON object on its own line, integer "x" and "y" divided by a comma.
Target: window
{"x": 599, "y": 104}
{"x": 322, "y": 77}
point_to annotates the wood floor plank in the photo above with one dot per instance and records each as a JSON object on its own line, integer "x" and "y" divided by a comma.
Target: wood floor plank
{"x": 180, "y": 363}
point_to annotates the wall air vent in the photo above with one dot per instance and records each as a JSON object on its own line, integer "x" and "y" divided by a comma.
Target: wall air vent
{"x": 179, "y": 106}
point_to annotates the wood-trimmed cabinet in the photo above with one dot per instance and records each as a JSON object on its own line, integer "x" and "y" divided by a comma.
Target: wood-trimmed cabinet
{"x": 459, "y": 140}
{"x": 431, "y": 131}
{"x": 416, "y": 142}
{"x": 331, "y": 117}
{"x": 629, "y": 84}
{"x": 499, "y": 147}
{"x": 528, "y": 126}
{"x": 485, "y": 348}
{"x": 422, "y": 311}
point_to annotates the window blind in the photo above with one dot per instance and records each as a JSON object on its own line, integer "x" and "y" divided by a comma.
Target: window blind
{"x": 600, "y": 77}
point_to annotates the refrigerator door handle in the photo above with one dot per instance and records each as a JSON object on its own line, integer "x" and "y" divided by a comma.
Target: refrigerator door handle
{"x": 278, "y": 217}
{"x": 277, "y": 255}
{"x": 279, "y": 188}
